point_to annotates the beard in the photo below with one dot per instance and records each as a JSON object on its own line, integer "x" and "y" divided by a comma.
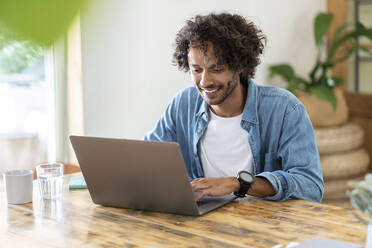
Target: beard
{"x": 224, "y": 91}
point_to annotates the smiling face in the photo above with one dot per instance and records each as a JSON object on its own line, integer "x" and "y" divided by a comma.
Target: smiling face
{"x": 216, "y": 83}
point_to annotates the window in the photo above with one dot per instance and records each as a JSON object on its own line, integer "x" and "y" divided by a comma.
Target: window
{"x": 26, "y": 104}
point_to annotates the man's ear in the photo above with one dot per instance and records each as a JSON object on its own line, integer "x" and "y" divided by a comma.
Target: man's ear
{"x": 238, "y": 72}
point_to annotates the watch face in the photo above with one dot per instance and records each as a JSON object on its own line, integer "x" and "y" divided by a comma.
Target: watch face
{"x": 246, "y": 176}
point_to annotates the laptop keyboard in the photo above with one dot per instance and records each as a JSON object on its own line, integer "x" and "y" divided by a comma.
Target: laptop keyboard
{"x": 213, "y": 200}
{"x": 201, "y": 203}
{"x": 209, "y": 200}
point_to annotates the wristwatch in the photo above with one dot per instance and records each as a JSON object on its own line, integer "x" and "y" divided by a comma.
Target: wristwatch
{"x": 245, "y": 179}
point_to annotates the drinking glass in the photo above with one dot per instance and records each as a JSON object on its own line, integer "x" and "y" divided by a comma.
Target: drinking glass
{"x": 50, "y": 179}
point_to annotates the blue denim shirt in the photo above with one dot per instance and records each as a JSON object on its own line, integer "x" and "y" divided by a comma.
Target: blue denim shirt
{"x": 281, "y": 138}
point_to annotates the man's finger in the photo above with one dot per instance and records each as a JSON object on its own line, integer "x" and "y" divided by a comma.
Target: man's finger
{"x": 196, "y": 186}
{"x": 199, "y": 195}
{"x": 205, "y": 192}
{"x": 193, "y": 186}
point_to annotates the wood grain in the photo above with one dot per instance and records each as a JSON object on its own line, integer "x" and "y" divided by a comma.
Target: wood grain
{"x": 74, "y": 221}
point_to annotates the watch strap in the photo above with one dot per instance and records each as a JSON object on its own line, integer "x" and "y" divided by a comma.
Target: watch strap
{"x": 244, "y": 187}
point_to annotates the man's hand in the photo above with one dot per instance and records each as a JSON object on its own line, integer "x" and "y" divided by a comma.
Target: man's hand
{"x": 214, "y": 186}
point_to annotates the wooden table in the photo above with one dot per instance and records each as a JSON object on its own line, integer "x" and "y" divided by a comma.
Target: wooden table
{"x": 75, "y": 221}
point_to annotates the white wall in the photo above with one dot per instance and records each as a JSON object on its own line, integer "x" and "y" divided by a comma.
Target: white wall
{"x": 128, "y": 78}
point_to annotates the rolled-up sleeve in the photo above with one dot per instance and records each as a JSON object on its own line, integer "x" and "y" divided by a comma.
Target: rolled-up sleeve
{"x": 301, "y": 173}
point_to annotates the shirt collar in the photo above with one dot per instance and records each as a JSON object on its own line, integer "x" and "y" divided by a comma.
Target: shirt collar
{"x": 250, "y": 107}
{"x": 203, "y": 108}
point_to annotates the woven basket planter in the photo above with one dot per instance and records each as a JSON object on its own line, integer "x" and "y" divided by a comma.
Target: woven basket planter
{"x": 321, "y": 112}
{"x": 344, "y": 165}
{"x": 339, "y": 138}
{"x": 336, "y": 189}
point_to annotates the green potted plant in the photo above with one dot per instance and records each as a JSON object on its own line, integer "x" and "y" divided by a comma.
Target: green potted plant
{"x": 319, "y": 91}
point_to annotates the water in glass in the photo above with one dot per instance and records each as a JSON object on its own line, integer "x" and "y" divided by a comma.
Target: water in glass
{"x": 50, "y": 178}
{"x": 50, "y": 186}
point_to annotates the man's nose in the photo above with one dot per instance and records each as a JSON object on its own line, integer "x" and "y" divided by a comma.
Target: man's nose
{"x": 206, "y": 80}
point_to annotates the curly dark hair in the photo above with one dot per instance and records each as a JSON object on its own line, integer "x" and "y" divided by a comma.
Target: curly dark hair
{"x": 237, "y": 42}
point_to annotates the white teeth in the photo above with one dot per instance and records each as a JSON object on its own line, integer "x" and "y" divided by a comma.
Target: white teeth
{"x": 210, "y": 91}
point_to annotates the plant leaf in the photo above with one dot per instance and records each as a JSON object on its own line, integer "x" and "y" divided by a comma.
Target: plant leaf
{"x": 338, "y": 81}
{"x": 284, "y": 71}
{"x": 339, "y": 31}
{"x": 364, "y": 31}
{"x": 314, "y": 70}
{"x": 321, "y": 26}
{"x": 361, "y": 47}
{"x": 359, "y": 31}
{"x": 301, "y": 80}
{"x": 346, "y": 55}
{"x": 40, "y": 20}
{"x": 325, "y": 93}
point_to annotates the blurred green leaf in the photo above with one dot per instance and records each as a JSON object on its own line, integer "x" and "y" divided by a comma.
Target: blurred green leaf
{"x": 359, "y": 31}
{"x": 367, "y": 32}
{"x": 301, "y": 80}
{"x": 285, "y": 71}
{"x": 362, "y": 47}
{"x": 321, "y": 25}
{"x": 40, "y": 20}
{"x": 338, "y": 81}
{"x": 314, "y": 70}
{"x": 346, "y": 54}
{"x": 339, "y": 31}
{"x": 325, "y": 93}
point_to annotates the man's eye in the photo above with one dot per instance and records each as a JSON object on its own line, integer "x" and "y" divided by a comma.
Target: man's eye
{"x": 196, "y": 70}
{"x": 218, "y": 69}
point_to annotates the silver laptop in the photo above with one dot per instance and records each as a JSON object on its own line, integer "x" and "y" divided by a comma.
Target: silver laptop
{"x": 137, "y": 174}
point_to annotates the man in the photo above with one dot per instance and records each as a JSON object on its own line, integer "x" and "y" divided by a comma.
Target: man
{"x": 226, "y": 125}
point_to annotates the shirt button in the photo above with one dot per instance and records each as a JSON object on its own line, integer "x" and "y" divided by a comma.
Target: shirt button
{"x": 199, "y": 130}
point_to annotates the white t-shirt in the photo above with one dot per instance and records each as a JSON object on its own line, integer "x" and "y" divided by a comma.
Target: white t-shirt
{"x": 224, "y": 147}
